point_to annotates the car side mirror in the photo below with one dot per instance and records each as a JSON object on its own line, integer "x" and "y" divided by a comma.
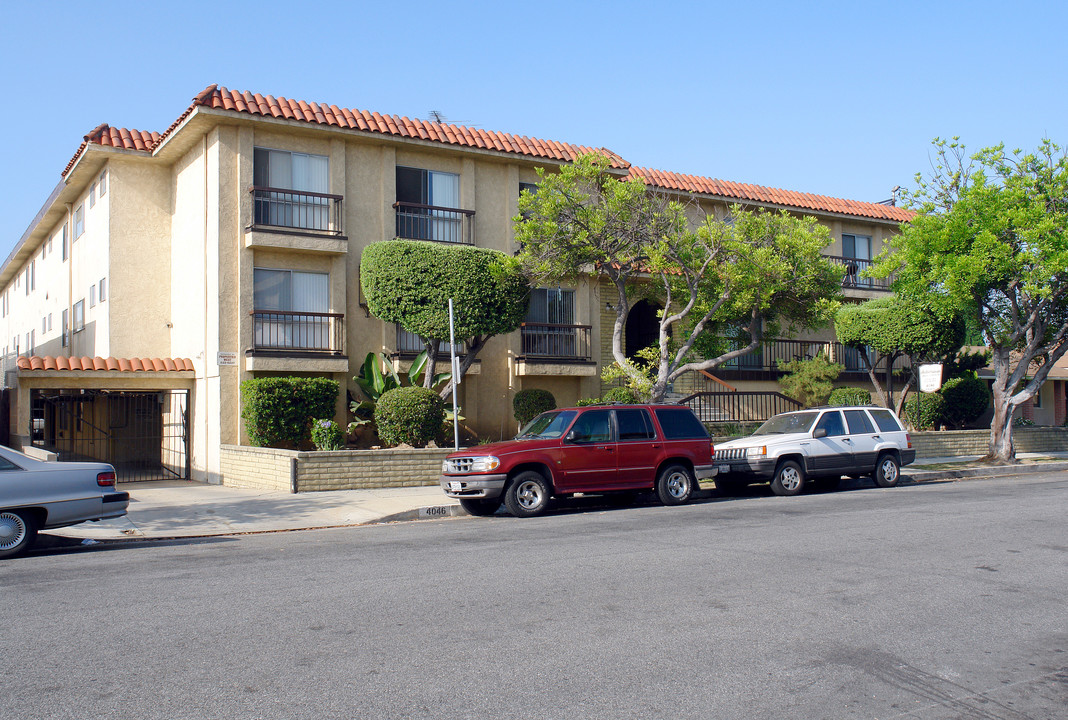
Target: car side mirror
{"x": 571, "y": 436}
{"x": 819, "y": 433}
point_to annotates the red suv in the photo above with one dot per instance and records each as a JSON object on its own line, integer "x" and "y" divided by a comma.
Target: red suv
{"x": 595, "y": 449}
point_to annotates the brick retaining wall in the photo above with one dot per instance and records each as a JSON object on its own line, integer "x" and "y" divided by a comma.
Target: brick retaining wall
{"x": 293, "y": 471}
{"x": 975, "y": 442}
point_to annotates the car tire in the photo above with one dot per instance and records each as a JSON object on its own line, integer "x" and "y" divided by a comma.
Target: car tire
{"x": 18, "y": 530}
{"x": 527, "y": 495}
{"x": 731, "y": 485}
{"x": 480, "y": 507}
{"x": 674, "y": 485}
{"x": 887, "y": 471}
{"x": 789, "y": 479}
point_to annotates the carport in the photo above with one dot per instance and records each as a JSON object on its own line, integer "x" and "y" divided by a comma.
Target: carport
{"x": 131, "y": 412}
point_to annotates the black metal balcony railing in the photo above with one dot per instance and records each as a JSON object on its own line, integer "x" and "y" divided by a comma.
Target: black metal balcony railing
{"x": 770, "y": 353}
{"x": 853, "y": 269}
{"x": 735, "y": 407}
{"x": 278, "y": 207}
{"x": 556, "y": 342}
{"x": 279, "y": 330}
{"x": 430, "y": 222}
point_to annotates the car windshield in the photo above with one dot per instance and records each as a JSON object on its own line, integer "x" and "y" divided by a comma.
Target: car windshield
{"x": 788, "y": 423}
{"x": 547, "y": 426}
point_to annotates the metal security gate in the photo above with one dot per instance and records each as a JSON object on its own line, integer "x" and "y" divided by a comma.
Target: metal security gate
{"x": 144, "y": 434}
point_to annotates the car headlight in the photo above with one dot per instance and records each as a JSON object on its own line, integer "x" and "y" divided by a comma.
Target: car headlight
{"x": 485, "y": 464}
{"x": 757, "y": 451}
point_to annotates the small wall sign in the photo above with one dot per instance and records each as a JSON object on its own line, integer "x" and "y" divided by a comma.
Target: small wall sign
{"x": 930, "y": 377}
{"x": 226, "y": 358}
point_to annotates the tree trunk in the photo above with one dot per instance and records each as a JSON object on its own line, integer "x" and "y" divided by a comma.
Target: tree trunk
{"x": 1002, "y": 450}
{"x": 431, "y": 362}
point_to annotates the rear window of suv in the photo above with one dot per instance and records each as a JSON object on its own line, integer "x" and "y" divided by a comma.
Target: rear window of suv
{"x": 886, "y": 420}
{"x": 680, "y": 424}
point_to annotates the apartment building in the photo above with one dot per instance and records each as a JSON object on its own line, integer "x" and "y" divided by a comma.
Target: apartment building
{"x": 168, "y": 267}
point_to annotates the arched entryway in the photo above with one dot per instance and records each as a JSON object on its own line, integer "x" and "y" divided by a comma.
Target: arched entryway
{"x": 642, "y": 328}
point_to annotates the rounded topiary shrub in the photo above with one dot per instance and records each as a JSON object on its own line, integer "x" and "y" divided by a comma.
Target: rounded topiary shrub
{"x": 965, "y": 400}
{"x": 931, "y": 405}
{"x": 849, "y": 396}
{"x": 411, "y": 415}
{"x": 528, "y": 404}
{"x": 278, "y": 410}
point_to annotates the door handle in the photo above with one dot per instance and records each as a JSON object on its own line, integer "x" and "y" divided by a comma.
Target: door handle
{"x": 655, "y": 445}
{"x": 609, "y": 448}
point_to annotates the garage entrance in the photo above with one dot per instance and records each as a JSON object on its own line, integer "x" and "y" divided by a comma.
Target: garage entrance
{"x": 144, "y": 434}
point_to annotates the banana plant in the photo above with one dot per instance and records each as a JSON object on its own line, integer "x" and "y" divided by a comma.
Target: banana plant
{"x": 375, "y": 383}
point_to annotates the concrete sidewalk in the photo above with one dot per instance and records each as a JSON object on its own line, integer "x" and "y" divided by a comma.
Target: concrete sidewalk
{"x": 178, "y": 509}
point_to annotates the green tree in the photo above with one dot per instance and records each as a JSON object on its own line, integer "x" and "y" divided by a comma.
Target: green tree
{"x": 754, "y": 270}
{"x": 410, "y": 282}
{"x": 897, "y": 327}
{"x": 991, "y": 236}
{"x": 810, "y": 382}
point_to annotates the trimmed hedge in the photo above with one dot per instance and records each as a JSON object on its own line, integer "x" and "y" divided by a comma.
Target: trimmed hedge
{"x": 965, "y": 400}
{"x": 850, "y": 396}
{"x": 278, "y": 410}
{"x": 528, "y": 404}
{"x": 931, "y": 405}
{"x": 411, "y": 415}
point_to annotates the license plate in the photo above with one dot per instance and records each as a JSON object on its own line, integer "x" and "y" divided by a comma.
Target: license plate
{"x": 724, "y": 468}
{"x": 456, "y": 486}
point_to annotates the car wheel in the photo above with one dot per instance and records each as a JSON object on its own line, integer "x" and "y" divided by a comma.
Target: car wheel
{"x": 18, "y": 530}
{"x": 528, "y": 495}
{"x": 887, "y": 471}
{"x": 480, "y": 507}
{"x": 789, "y": 478}
{"x": 732, "y": 485}
{"x": 674, "y": 486}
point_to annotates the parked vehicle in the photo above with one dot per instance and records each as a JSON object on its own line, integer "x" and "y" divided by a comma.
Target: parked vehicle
{"x": 595, "y": 449}
{"x": 795, "y": 448}
{"x": 37, "y": 495}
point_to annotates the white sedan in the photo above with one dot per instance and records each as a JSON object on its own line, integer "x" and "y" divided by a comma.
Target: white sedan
{"x": 37, "y": 495}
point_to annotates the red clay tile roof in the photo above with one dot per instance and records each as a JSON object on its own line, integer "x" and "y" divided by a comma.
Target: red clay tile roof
{"x": 36, "y": 362}
{"x": 759, "y": 193}
{"x": 108, "y": 136}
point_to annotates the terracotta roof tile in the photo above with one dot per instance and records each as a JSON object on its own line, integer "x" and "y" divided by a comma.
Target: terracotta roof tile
{"x": 759, "y": 193}
{"x": 47, "y": 362}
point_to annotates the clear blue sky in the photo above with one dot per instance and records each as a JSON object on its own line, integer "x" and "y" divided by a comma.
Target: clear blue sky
{"x": 836, "y": 98}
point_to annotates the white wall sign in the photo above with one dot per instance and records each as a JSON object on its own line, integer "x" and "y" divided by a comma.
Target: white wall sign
{"x": 930, "y": 377}
{"x": 226, "y": 358}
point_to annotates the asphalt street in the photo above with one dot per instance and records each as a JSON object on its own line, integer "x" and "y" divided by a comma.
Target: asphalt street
{"x": 943, "y": 600}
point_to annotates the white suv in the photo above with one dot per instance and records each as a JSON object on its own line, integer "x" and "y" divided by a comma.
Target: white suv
{"x": 822, "y": 444}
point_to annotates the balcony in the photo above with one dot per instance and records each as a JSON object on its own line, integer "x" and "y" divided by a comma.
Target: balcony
{"x": 291, "y": 341}
{"x": 431, "y": 222}
{"x": 853, "y": 280}
{"x": 295, "y": 220}
{"x": 555, "y": 349}
{"x": 763, "y": 363}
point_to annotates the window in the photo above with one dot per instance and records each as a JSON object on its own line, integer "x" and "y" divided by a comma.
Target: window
{"x": 410, "y": 343}
{"x": 103, "y": 183}
{"x": 832, "y": 423}
{"x": 531, "y": 188}
{"x": 92, "y": 296}
{"x": 66, "y": 328}
{"x": 593, "y": 426}
{"x": 548, "y": 328}
{"x": 428, "y": 203}
{"x": 49, "y": 323}
{"x": 30, "y": 341}
{"x": 44, "y": 325}
{"x": 1036, "y": 401}
{"x": 857, "y": 252}
{"x": 680, "y": 424}
{"x": 92, "y": 195}
{"x": 635, "y": 425}
{"x": 64, "y": 242}
{"x": 886, "y": 420}
{"x": 103, "y": 289}
{"x": 289, "y": 305}
{"x": 79, "y": 316}
{"x": 859, "y": 424}
{"x": 79, "y": 221}
{"x": 274, "y": 171}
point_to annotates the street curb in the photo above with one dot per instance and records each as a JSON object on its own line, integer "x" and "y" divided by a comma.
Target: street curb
{"x": 918, "y": 476}
{"x": 432, "y": 512}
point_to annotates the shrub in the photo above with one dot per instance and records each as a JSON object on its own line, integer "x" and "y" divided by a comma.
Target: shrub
{"x": 411, "y": 415}
{"x": 278, "y": 410}
{"x": 850, "y": 396}
{"x": 930, "y": 410}
{"x": 528, "y": 404}
{"x": 966, "y": 398}
{"x": 625, "y": 395}
{"x": 327, "y": 435}
{"x": 810, "y": 382}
